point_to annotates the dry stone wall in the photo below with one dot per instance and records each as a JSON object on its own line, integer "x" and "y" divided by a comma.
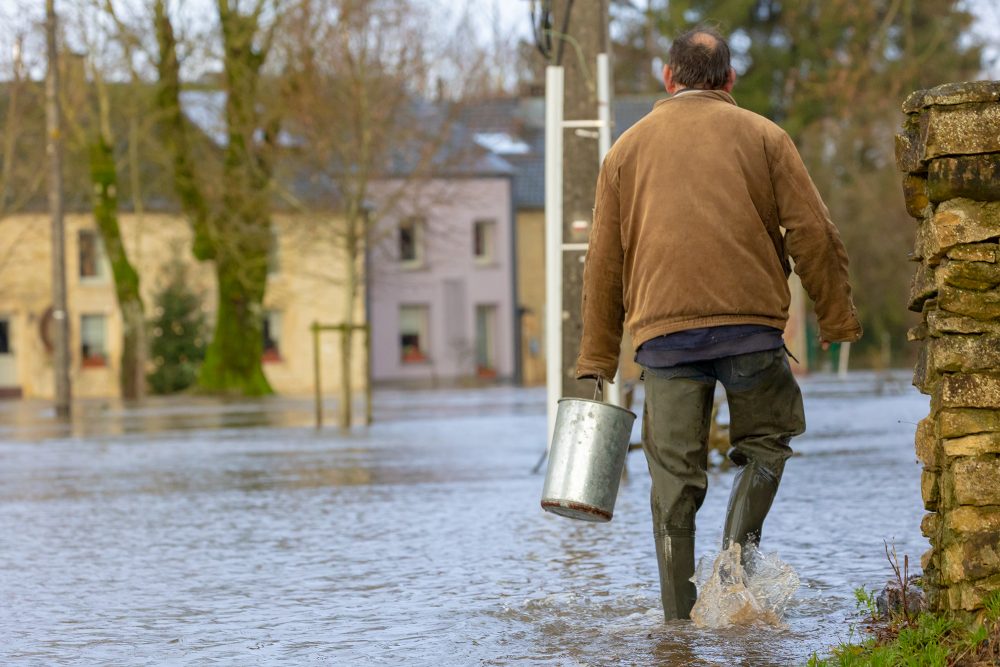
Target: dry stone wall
{"x": 949, "y": 151}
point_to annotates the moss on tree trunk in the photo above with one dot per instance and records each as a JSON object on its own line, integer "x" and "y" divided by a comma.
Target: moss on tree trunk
{"x": 105, "y": 180}
{"x": 232, "y": 361}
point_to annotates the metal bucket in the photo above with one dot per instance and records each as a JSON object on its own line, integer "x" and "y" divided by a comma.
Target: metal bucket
{"x": 586, "y": 459}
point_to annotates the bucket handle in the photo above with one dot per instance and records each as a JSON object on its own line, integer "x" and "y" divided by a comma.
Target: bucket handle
{"x": 599, "y": 387}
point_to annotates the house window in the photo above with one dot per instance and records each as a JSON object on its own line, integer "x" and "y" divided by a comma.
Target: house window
{"x": 413, "y": 338}
{"x": 484, "y": 241}
{"x": 91, "y": 254}
{"x": 5, "y": 336}
{"x": 486, "y": 326}
{"x": 411, "y": 241}
{"x": 93, "y": 348}
{"x": 271, "y": 329}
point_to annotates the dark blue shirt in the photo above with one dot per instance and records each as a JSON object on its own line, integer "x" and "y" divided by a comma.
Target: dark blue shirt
{"x": 685, "y": 347}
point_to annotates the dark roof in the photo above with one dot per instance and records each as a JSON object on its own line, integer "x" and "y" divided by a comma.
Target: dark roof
{"x": 499, "y": 137}
{"x": 30, "y": 156}
{"x": 515, "y": 129}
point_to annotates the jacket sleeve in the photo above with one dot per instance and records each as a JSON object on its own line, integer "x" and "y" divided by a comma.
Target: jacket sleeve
{"x": 814, "y": 244}
{"x": 603, "y": 308}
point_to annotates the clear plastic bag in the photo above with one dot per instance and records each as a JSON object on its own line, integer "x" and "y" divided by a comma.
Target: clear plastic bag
{"x": 729, "y": 595}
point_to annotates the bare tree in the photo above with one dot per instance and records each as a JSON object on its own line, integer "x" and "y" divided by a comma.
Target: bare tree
{"x": 89, "y": 117}
{"x": 374, "y": 108}
{"x": 22, "y": 170}
{"x": 232, "y": 223}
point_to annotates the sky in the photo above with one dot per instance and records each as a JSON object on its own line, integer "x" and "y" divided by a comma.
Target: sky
{"x": 513, "y": 15}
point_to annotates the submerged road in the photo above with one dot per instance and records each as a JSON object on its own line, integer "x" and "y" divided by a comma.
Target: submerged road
{"x": 233, "y": 533}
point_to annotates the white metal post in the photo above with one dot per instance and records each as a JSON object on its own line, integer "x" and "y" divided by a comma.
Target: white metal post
{"x": 845, "y": 354}
{"x": 614, "y": 391}
{"x": 603, "y": 106}
{"x": 553, "y": 240}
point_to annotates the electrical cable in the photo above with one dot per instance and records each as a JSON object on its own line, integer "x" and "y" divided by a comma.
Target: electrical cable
{"x": 564, "y": 32}
{"x": 541, "y": 27}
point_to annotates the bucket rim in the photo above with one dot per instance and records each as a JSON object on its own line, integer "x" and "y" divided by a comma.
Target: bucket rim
{"x": 604, "y": 403}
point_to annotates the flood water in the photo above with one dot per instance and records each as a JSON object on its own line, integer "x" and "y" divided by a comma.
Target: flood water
{"x": 173, "y": 535}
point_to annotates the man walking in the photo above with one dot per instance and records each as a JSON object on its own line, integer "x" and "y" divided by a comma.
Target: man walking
{"x": 699, "y": 207}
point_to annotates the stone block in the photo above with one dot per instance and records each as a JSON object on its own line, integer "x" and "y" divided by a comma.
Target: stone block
{"x": 971, "y": 176}
{"x": 950, "y": 120}
{"x": 957, "y": 423}
{"x": 967, "y": 275}
{"x": 922, "y": 287}
{"x": 961, "y": 129}
{"x": 957, "y": 222}
{"x": 916, "y": 196}
{"x": 972, "y": 445}
{"x": 927, "y": 558}
{"x": 932, "y": 590}
{"x": 970, "y": 390}
{"x": 965, "y": 519}
{"x": 922, "y": 378}
{"x": 952, "y": 93}
{"x": 950, "y": 354}
{"x": 975, "y": 556}
{"x": 975, "y": 252}
{"x": 953, "y": 595}
{"x": 910, "y": 146}
{"x": 972, "y": 593}
{"x": 929, "y": 489}
{"x": 926, "y": 443}
{"x": 940, "y": 323}
{"x": 972, "y": 481}
{"x": 918, "y": 333}
{"x": 980, "y": 305}
{"x": 923, "y": 243}
{"x": 930, "y": 525}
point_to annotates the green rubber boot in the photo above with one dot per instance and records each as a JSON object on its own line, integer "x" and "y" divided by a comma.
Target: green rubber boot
{"x": 753, "y": 492}
{"x": 675, "y": 560}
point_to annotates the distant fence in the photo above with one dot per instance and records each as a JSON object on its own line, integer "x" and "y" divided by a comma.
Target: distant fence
{"x": 347, "y": 395}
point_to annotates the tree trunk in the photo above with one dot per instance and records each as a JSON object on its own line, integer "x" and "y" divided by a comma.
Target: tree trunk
{"x": 347, "y": 337}
{"x": 232, "y": 360}
{"x": 104, "y": 177}
{"x": 133, "y": 361}
{"x": 54, "y": 149}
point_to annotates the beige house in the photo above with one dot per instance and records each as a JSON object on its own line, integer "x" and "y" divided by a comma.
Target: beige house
{"x": 303, "y": 287}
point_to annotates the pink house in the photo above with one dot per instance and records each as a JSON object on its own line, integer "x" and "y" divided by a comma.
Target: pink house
{"x": 442, "y": 279}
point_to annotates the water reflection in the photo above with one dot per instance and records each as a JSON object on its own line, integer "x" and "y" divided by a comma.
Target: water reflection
{"x": 419, "y": 542}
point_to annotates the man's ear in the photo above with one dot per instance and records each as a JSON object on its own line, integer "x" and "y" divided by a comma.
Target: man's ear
{"x": 668, "y": 80}
{"x": 730, "y": 81}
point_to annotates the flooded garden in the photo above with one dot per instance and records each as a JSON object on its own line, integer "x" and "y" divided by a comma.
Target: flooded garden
{"x": 235, "y": 533}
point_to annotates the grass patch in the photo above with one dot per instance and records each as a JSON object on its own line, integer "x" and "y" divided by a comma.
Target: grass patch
{"x": 927, "y": 640}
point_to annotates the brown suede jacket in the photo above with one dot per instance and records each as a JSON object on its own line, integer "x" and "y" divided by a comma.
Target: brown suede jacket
{"x": 699, "y": 207}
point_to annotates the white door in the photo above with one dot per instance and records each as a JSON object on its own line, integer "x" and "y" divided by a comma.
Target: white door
{"x": 486, "y": 356}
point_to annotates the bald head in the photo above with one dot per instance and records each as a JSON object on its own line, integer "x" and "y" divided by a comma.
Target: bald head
{"x": 699, "y": 58}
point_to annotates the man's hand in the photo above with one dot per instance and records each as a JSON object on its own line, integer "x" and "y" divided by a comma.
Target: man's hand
{"x": 824, "y": 345}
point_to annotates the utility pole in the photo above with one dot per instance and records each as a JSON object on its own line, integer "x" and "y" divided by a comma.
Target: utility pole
{"x": 54, "y": 144}
{"x": 585, "y": 24}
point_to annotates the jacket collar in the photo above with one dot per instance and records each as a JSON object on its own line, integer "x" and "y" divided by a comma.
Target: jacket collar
{"x": 719, "y": 95}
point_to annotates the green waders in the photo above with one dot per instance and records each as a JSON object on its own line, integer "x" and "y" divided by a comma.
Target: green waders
{"x": 765, "y": 412}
